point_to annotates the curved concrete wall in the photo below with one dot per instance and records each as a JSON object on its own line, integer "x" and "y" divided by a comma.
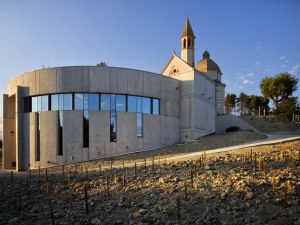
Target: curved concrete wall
{"x": 225, "y": 121}
{"x": 158, "y": 130}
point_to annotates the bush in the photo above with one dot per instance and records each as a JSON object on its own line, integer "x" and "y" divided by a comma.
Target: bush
{"x": 232, "y": 129}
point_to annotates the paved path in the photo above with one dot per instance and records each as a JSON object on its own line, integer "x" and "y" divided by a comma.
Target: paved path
{"x": 272, "y": 139}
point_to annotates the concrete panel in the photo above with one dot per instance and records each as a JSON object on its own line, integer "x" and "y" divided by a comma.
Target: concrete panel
{"x": 72, "y": 141}
{"x": 72, "y": 78}
{"x": 32, "y": 139}
{"x": 99, "y": 135}
{"x": 170, "y": 130}
{"x": 135, "y": 81}
{"x": 48, "y": 138}
{"x": 9, "y": 132}
{"x": 126, "y": 132}
{"x": 26, "y": 140}
{"x": 47, "y": 81}
{"x": 19, "y": 130}
{"x": 99, "y": 79}
{"x": 153, "y": 85}
{"x": 152, "y": 128}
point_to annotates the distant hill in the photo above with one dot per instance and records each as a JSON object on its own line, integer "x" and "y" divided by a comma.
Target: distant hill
{"x": 271, "y": 124}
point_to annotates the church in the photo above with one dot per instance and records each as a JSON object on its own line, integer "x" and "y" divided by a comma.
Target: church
{"x": 202, "y": 90}
{"x": 71, "y": 114}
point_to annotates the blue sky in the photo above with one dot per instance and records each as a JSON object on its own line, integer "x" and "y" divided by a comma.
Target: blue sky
{"x": 248, "y": 39}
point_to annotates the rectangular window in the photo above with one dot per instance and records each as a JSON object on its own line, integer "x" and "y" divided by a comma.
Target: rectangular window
{"x": 38, "y": 139}
{"x": 34, "y": 103}
{"x": 113, "y": 102}
{"x": 68, "y": 100}
{"x": 105, "y": 102}
{"x": 44, "y": 103}
{"x": 61, "y": 102}
{"x": 60, "y": 133}
{"x": 139, "y": 124}
{"x": 155, "y": 106}
{"x": 39, "y": 103}
{"x": 85, "y": 102}
{"x": 78, "y": 101}
{"x": 85, "y": 129}
{"x": 113, "y": 126}
{"x": 146, "y": 105}
{"x": 131, "y": 103}
{"x": 139, "y": 104}
{"x": 54, "y": 102}
{"x": 94, "y": 102}
{"x": 121, "y": 103}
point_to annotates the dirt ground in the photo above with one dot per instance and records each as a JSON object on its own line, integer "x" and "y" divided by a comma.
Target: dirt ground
{"x": 260, "y": 185}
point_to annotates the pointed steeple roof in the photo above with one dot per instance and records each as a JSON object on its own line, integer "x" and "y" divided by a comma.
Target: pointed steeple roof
{"x": 187, "y": 30}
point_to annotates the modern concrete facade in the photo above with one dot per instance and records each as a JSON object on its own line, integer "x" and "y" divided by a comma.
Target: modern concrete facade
{"x": 71, "y": 114}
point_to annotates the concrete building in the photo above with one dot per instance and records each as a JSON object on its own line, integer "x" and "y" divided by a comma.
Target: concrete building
{"x": 71, "y": 114}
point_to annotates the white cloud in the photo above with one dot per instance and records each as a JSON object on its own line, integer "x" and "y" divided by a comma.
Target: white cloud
{"x": 257, "y": 63}
{"x": 247, "y": 81}
{"x": 294, "y": 69}
{"x": 249, "y": 75}
{"x": 282, "y": 57}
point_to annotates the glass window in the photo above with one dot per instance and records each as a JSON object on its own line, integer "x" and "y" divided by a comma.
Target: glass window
{"x": 113, "y": 126}
{"x": 139, "y": 125}
{"x": 78, "y": 101}
{"x": 44, "y": 105}
{"x": 54, "y": 102}
{"x": 139, "y": 104}
{"x": 85, "y": 129}
{"x": 86, "y": 102}
{"x": 93, "y": 102}
{"x": 34, "y": 106}
{"x": 121, "y": 103}
{"x": 67, "y": 101}
{"x": 39, "y": 103}
{"x": 60, "y": 133}
{"x": 61, "y": 102}
{"x": 113, "y": 102}
{"x": 105, "y": 101}
{"x": 131, "y": 103}
{"x": 155, "y": 106}
{"x": 146, "y": 105}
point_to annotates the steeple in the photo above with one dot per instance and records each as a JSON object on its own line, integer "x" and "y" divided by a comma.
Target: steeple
{"x": 187, "y": 43}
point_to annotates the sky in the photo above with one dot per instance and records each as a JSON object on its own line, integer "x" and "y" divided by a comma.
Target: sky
{"x": 247, "y": 39}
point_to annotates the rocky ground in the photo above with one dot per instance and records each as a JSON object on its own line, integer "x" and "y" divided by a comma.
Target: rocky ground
{"x": 247, "y": 186}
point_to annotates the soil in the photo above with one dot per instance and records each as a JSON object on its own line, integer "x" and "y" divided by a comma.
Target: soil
{"x": 260, "y": 185}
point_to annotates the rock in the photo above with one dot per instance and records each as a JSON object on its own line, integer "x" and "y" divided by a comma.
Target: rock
{"x": 35, "y": 209}
{"x": 222, "y": 211}
{"x": 96, "y": 221}
{"x": 249, "y": 195}
{"x": 142, "y": 211}
{"x": 207, "y": 167}
{"x": 13, "y": 221}
{"x": 152, "y": 195}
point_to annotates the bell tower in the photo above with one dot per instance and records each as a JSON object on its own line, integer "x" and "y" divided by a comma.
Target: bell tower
{"x": 187, "y": 44}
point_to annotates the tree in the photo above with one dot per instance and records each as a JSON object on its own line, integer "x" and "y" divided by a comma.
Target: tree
{"x": 230, "y": 101}
{"x": 278, "y": 88}
{"x": 243, "y": 100}
{"x": 258, "y": 102}
{"x": 288, "y": 106}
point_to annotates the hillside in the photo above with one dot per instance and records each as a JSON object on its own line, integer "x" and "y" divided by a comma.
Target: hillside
{"x": 272, "y": 124}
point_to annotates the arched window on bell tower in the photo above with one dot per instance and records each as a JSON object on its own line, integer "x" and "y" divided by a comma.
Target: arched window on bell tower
{"x": 184, "y": 43}
{"x": 189, "y": 43}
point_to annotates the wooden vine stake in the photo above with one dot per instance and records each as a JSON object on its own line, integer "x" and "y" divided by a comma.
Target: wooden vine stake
{"x": 100, "y": 169}
{"x": 135, "y": 170}
{"x": 51, "y": 213}
{"x": 192, "y": 179}
{"x": 185, "y": 190}
{"x": 86, "y": 200}
{"x": 107, "y": 185}
{"x": 178, "y": 208}
{"x": 265, "y": 171}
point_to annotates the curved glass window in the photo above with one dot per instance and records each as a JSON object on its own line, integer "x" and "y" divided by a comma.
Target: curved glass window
{"x": 92, "y": 101}
{"x": 105, "y": 102}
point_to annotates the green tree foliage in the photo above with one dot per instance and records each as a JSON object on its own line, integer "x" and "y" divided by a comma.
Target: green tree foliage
{"x": 258, "y": 102}
{"x": 278, "y": 88}
{"x": 288, "y": 106}
{"x": 230, "y": 101}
